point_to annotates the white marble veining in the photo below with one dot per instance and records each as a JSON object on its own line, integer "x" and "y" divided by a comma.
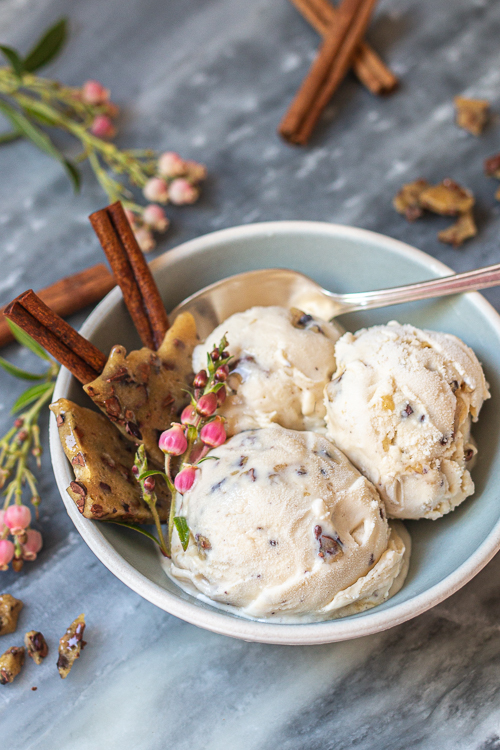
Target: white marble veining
{"x": 212, "y": 79}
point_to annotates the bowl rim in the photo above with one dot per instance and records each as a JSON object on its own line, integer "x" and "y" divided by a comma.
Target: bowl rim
{"x": 215, "y": 620}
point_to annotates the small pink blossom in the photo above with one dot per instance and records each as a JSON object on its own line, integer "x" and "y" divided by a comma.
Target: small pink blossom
{"x": 155, "y": 218}
{"x": 183, "y": 192}
{"x": 173, "y": 441}
{"x": 94, "y": 93}
{"x": 32, "y": 545}
{"x": 189, "y": 415}
{"x": 145, "y": 239}
{"x": 17, "y": 518}
{"x": 194, "y": 171}
{"x": 156, "y": 190}
{"x": 221, "y": 396}
{"x": 7, "y": 550}
{"x": 185, "y": 479}
{"x": 207, "y": 404}
{"x": 214, "y": 433}
{"x": 201, "y": 379}
{"x": 170, "y": 164}
{"x": 103, "y": 127}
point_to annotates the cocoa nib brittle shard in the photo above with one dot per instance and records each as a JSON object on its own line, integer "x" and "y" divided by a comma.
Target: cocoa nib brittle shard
{"x": 70, "y": 646}
{"x": 11, "y": 663}
{"x": 104, "y": 487}
{"x": 407, "y": 201}
{"x": 472, "y": 114}
{"x": 143, "y": 392}
{"x": 36, "y": 645}
{"x": 492, "y": 169}
{"x": 9, "y": 613}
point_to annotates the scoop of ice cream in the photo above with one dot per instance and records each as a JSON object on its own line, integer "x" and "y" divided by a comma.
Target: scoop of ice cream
{"x": 400, "y": 407}
{"x": 282, "y": 361}
{"x": 283, "y": 526}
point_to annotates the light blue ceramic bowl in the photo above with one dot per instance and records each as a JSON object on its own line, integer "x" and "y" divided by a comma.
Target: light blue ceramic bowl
{"x": 446, "y": 553}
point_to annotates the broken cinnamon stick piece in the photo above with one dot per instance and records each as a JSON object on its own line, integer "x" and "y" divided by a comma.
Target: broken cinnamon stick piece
{"x": 327, "y": 71}
{"x": 69, "y": 295}
{"x": 366, "y": 63}
{"x": 132, "y": 274}
{"x": 77, "y": 354}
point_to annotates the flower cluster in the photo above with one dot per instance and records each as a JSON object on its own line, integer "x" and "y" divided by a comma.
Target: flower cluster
{"x": 187, "y": 443}
{"x": 33, "y": 104}
{"x": 24, "y": 544}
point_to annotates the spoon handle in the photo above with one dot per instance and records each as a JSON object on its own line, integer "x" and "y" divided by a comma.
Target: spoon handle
{"x": 480, "y": 278}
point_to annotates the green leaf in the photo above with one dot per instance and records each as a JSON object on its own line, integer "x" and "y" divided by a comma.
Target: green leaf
{"x": 30, "y": 395}
{"x": 136, "y": 528}
{"x": 183, "y": 530}
{"x": 48, "y": 47}
{"x": 17, "y": 372}
{"x": 25, "y": 340}
{"x": 41, "y": 117}
{"x": 208, "y": 458}
{"x": 151, "y": 473}
{"x": 14, "y": 59}
{"x": 12, "y": 135}
{"x": 74, "y": 174}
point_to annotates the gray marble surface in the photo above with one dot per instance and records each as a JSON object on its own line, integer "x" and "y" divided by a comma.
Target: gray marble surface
{"x": 212, "y": 79}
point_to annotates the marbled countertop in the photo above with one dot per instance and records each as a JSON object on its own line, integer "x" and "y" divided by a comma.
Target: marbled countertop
{"x": 211, "y": 79}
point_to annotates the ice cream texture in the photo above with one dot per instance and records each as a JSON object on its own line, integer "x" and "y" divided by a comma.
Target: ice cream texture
{"x": 282, "y": 526}
{"x": 283, "y": 360}
{"x": 400, "y": 406}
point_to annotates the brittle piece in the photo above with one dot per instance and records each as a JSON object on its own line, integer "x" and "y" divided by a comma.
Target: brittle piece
{"x": 492, "y": 169}
{"x": 472, "y": 114}
{"x": 143, "y": 392}
{"x": 104, "y": 486}
{"x": 461, "y": 230}
{"x": 70, "y": 646}
{"x": 448, "y": 198}
{"x": 407, "y": 201}
{"x": 11, "y": 663}
{"x": 9, "y": 612}
{"x": 36, "y": 646}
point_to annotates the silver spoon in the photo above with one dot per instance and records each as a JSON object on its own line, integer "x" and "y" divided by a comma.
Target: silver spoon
{"x": 281, "y": 286}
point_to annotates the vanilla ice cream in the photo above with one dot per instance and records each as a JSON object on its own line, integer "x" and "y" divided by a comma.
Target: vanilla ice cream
{"x": 282, "y": 361}
{"x": 283, "y": 526}
{"x": 400, "y": 407}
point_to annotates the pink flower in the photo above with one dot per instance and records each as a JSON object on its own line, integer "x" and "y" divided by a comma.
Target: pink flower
{"x": 32, "y": 545}
{"x": 173, "y": 441}
{"x": 214, "y": 433}
{"x": 221, "y": 373}
{"x": 131, "y": 218}
{"x": 201, "y": 379}
{"x": 103, "y": 127}
{"x": 7, "y": 550}
{"x": 145, "y": 239}
{"x": 221, "y": 396}
{"x": 94, "y": 93}
{"x": 170, "y": 164}
{"x": 155, "y": 218}
{"x": 185, "y": 479}
{"x": 195, "y": 171}
{"x": 17, "y": 518}
{"x": 189, "y": 415}
{"x": 156, "y": 190}
{"x": 183, "y": 192}
{"x": 207, "y": 405}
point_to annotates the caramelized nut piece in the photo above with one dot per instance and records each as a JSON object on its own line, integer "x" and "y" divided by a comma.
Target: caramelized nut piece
{"x": 70, "y": 646}
{"x": 11, "y": 663}
{"x": 472, "y": 114}
{"x": 461, "y": 230}
{"x": 492, "y": 166}
{"x": 407, "y": 201}
{"x": 36, "y": 646}
{"x": 9, "y": 612}
{"x": 448, "y": 198}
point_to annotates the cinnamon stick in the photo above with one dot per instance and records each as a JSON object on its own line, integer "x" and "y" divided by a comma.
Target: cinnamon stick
{"x": 69, "y": 295}
{"x": 367, "y": 65}
{"x": 327, "y": 71}
{"x": 80, "y": 357}
{"x": 132, "y": 273}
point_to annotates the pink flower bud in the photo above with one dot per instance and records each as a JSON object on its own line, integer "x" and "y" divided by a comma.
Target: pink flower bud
{"x": 145, "y": 239}
{"x": 214, "y": 433}
{"x": 135, "y": 470}
{"x": 207, "y": 405}
{"x": 173, "y": 441}
{"x": 221, "y": 396}
{"x": 170, "y": 164}
{"x": 221, "y": 373}
{"x": 194, "y": 171}
{"x": 189, "y": 415}
{"x": 201, "y": 379}
{"x": 185, "y": 479}
{"x": 7, "y": 550}
{"x": 131, "y": 218}
{"x": 149, "y": 484}
{"x": 103, "y": 127}
{"x": 94, "y": 93}
{"x": 183, "y": 192}
{"x": 156, "y": 190}
{"x": 32, "y": 545}
{"x": 17, "y": 518}
{"x": 155, "y": 218}
{"x": 214, "y": 355}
